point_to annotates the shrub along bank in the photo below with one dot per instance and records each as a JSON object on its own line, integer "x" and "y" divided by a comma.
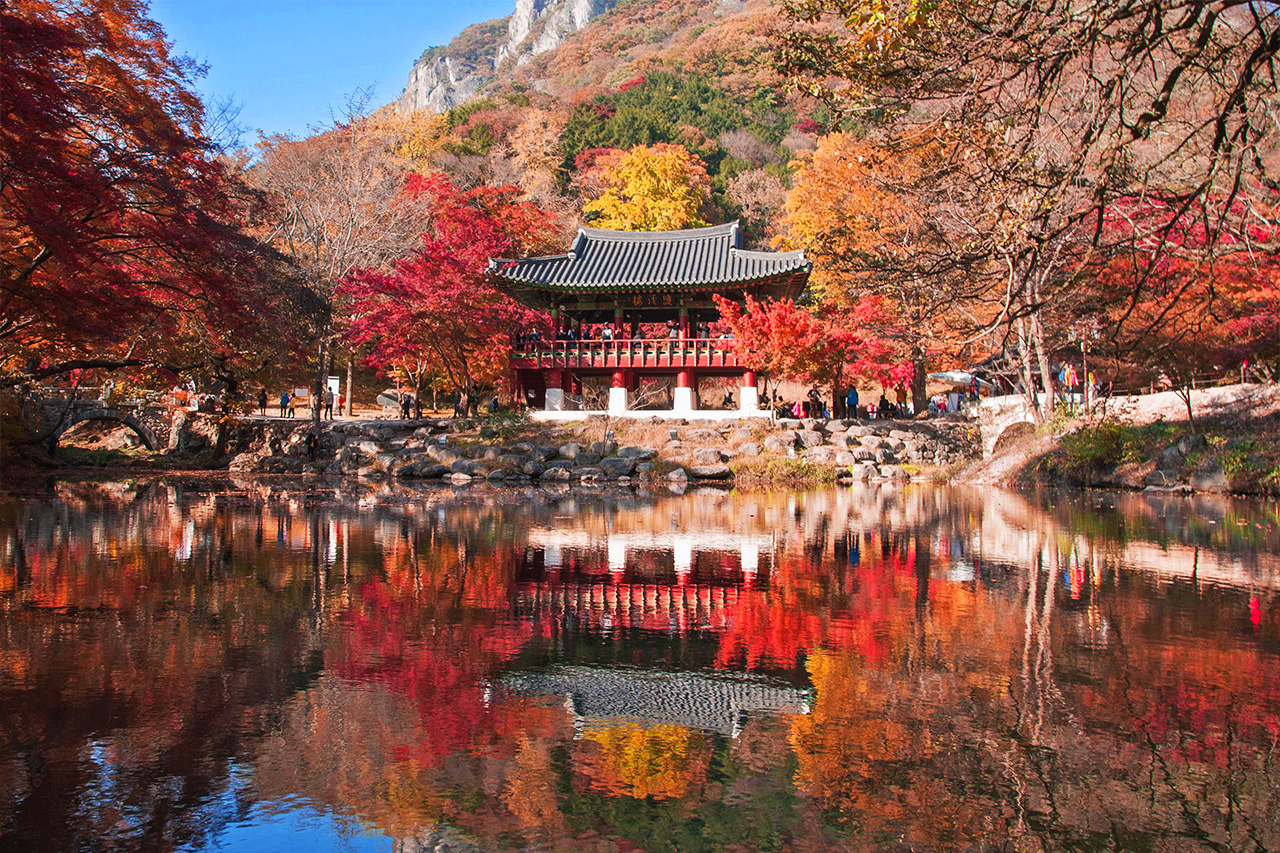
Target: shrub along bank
{"x": 1226, "y": 454}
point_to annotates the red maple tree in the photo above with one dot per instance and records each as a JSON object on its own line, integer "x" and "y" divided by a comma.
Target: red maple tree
{"x": 825, "y": 347}
{"x": 119, "y": 242}
{"x": 437, "y": 312}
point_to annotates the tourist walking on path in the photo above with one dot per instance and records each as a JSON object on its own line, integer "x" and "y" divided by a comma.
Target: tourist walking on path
{"x": 405, "y": 402}
{"x": 328, "y": 403}
{"x": 262, "y": 402}
{"x": 285, "y": 400}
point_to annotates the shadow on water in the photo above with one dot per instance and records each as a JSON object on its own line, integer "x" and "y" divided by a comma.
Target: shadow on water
{"x": 253, "y": 663}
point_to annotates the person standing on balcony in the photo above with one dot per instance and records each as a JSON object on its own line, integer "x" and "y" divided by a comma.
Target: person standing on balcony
{"x": 673, "y": 330}
{"x": 606, "y": 332}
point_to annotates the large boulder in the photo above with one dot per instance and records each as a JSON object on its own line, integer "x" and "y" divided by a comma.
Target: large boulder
{"x": 703, "y": 435}
{"x": 556, "y": 475}
{"x": 820, "y": 455}
{"x": 711, "y": 472}
{"x": 749, "y": 449}
{"x": 533, "y": 468}
{"x": 780, "y": 441}
{"x": 543, "y": 454}
{"x": 1210, "y": 478}
{"x": 433, "y": 472}
{"x": 1172, "y": 458}
{"x": 706, "y": 456}
{"x": 637, "y": 453}
{"x": 864, "y": 471}
{"x": 811, "y": 438}
{"x": 617, "y": 466}
{"x": 570, "y": 450}
{"x": 894, "y": 472}
{"x": 679, "y": 475}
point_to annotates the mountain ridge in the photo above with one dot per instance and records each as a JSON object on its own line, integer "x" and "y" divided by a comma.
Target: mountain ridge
{"x": 448, "y": 76}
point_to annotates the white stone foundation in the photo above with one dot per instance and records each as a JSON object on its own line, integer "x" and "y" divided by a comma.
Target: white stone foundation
{"x": 750, "y": 399}
{"x": 617, "y": 401}
{"x": 555, "y": 400}
{"x": 682, "y": 400}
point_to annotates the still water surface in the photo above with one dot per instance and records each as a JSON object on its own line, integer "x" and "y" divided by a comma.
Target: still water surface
{"x": 258, "y": 666}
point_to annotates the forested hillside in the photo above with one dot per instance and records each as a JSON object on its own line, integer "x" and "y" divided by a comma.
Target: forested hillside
{"x": 693, "y": 74}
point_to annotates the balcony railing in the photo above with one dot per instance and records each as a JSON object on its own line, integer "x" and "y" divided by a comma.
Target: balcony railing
{"x": 675, "y": 353}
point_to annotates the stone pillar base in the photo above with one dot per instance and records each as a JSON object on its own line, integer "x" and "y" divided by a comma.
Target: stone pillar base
{"x": 682, "y": 400}
{"x": 555, "y": 400}
{"x": 749, "y": 399}
{"x": 617, "y": 401}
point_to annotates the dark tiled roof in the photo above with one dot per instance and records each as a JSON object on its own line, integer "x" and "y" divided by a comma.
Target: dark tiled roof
{"x": 644, "y": 260}
{"x": 714, "y": 703}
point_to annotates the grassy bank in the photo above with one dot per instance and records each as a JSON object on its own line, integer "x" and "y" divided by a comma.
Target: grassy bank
{"x": 1236, "y": 454}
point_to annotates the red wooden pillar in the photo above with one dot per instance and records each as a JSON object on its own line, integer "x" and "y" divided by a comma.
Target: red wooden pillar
{"x": 619, "y": 379}
{"x": 748, "y": 398}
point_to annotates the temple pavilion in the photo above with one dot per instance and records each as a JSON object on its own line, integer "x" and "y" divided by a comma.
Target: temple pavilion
{"x": 661, "y": 280}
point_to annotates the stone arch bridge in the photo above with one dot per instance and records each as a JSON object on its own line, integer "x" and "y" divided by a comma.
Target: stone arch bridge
{"x": 1004, "y": 419}
{"x": 153, "y": 423}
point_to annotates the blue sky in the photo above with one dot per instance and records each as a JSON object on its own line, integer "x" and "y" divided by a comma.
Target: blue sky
{"x": 289, "y": 62}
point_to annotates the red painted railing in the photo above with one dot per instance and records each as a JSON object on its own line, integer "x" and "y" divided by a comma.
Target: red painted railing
{"x": 679, "y": 354}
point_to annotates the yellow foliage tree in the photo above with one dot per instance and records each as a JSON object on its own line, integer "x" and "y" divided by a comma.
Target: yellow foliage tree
{"x": 652, "y": 188}
{"x": 664, "y": 762}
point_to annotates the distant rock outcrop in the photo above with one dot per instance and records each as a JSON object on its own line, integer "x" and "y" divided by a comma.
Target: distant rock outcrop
{"x": 445, "y": 77}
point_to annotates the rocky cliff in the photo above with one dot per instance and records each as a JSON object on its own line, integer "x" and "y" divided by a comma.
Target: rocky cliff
{"x": 445, "y": 77}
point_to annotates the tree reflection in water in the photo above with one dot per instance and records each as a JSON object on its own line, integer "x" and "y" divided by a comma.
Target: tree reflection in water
{"x": 916, "y": 668}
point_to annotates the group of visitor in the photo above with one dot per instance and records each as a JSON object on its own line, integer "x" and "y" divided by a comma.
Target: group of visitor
{"x": 619, "y": 332}
{"x": 290, "y": 403}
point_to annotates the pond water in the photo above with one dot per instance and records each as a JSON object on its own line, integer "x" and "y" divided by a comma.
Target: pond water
{"x": 262, "y": 665}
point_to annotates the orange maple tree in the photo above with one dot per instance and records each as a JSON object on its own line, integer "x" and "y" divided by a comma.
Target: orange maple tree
{"x": 882, "y": 223}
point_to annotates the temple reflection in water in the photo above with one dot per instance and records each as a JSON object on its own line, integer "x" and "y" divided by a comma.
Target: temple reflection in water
{"x": 189, "y": 666}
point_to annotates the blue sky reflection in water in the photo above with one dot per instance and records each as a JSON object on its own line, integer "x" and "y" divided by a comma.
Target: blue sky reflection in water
{"x": 252, "y": 666}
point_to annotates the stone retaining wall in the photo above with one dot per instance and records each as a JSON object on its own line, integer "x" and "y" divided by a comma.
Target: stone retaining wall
{"x": 435, "y": 449}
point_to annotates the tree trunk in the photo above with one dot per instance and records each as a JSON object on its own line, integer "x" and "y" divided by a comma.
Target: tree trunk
{"x": 1046, "y": 373}
{"x": 1024, "y": 368}
{"x": 318, "y": 390}
{"x": 1185, "y": 393}
{"x": 919, "y": 378}
{"x": 346, "y": 408}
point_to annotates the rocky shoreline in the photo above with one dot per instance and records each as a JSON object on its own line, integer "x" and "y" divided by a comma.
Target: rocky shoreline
{"x": 597, "y": 450}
